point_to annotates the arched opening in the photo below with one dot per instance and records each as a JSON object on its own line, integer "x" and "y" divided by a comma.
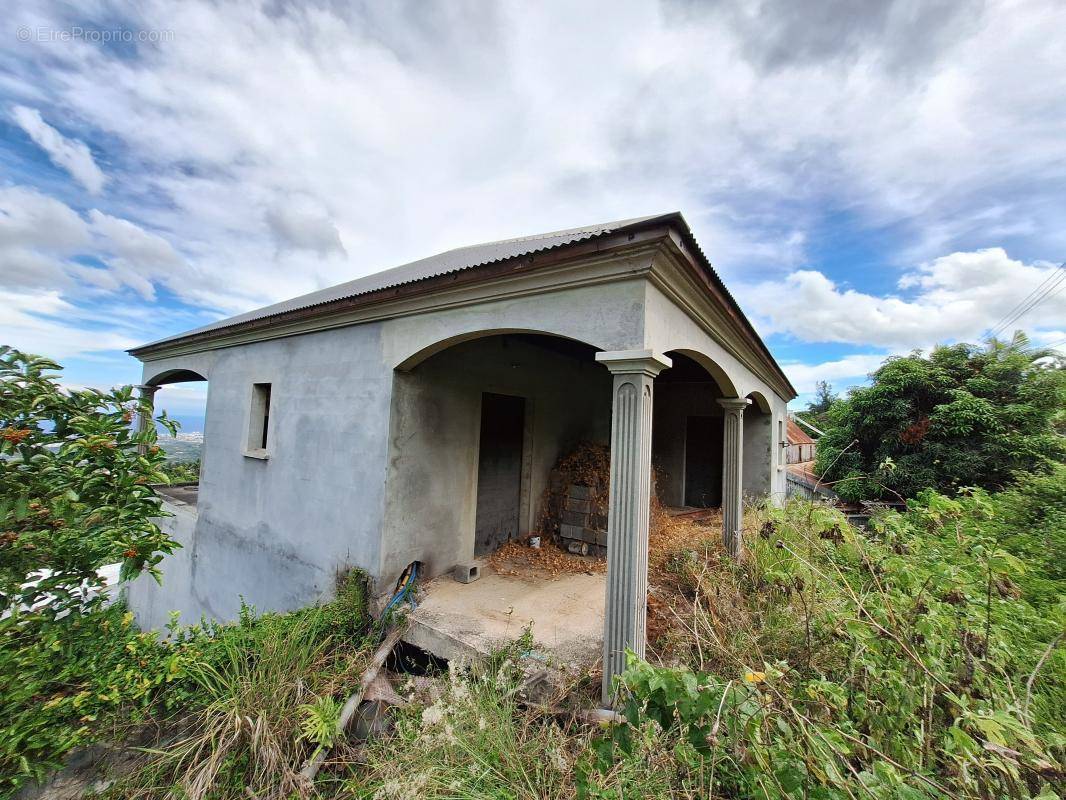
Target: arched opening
{"x": 170, "y": 376}
{"x": 757, "y": 466}
{"x": 412, "y": 360}
{"x": 182, "y": 394}
{"x": 687, "y": 432}
{"x": 476, "y": 428}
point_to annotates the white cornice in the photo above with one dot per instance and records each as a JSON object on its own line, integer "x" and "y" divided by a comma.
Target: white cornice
{"x": 674, "y": 279}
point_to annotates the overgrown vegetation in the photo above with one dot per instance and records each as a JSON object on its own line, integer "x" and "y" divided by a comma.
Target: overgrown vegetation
{"x": 961, "y": 416}
{"x": 253, "y": 700}
{"x": 236, "y": 705}
{"x": 919, "y": 660}
{"x": 904, "y": 664}
{"x": 182, "y": 471}
{"x": 923, "y": 658}
{"x": 74, "y": 496}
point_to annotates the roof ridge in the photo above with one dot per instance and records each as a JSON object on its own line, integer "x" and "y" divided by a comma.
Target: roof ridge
{"x": 589, "y": 229}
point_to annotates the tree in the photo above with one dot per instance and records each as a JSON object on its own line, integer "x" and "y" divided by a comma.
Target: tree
{"x": 962, "y": 416}
{"x": 824, "y": 397}
{"x": 817, "y": 412}
{"x": 75, "y": 493}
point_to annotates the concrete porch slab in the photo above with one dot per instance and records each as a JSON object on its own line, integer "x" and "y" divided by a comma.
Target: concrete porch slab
{"x": 456, "y": 620}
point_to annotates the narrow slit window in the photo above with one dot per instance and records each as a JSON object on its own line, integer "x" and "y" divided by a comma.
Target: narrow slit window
{"x": 259, "y": 422}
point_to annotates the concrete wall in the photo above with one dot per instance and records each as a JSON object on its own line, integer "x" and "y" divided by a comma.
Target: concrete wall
{"x": 674, "y": 403}
{"x": 668, "y": 328}
{"x": 276, "y": 531}
{"x": 433, "y": 453}
{"x": 758, "y": 469}
{"x": 151, "y": 602}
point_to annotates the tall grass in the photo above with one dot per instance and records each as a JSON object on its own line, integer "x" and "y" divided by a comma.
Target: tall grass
{"x": 255, "y": 689}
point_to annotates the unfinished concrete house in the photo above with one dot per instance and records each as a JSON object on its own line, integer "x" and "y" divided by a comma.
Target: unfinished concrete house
{"x": 414, "y": 415}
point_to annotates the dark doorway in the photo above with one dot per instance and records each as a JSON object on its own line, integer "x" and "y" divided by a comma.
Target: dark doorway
{"x": 703, "y": 462}
{"x": 499, "y": 471}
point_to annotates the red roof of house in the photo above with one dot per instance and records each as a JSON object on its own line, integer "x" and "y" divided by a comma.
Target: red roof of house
{"x": 796, "y": 434}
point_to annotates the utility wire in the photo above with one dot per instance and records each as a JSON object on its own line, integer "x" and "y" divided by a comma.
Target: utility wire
{"x": 1049, "y": 287}
{"x": 1034, "y": 296}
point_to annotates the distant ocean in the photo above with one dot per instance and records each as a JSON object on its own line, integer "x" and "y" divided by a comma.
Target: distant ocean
{"x": 188, "y": 424}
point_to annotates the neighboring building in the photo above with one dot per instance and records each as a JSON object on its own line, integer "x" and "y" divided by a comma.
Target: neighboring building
{"x": 800, "y": 446}
{"x": 414, "y": 415}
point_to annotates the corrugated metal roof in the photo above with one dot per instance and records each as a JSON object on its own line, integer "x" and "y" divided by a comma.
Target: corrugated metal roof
{"x": 796, "y": 434}
{"x": 480, "y": 255}
{"x": 456, "y": 260}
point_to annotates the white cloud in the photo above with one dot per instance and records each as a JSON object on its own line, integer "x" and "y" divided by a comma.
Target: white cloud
{"x": 955, "y": 297}
{"x": 423, "y": 131}
{"x": 134, "y": 244}
{"x": 40, "y": 322}
{"x": 70, "y": 154}
{"x": 302, "y": 224}
{"x": 34, "y": 220}
{"x": 39, "y": 236}
{"x": 846, "y": 371}
{"x": 271, "y": 148}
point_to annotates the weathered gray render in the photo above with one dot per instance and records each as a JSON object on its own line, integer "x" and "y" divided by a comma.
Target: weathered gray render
{"x": 375, "y": 406}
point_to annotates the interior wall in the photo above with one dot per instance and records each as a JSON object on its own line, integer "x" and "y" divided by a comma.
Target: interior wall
{"x": 757, "y": 468}
{"x": 674, "y": 403}
{"x": 431, "y": 486}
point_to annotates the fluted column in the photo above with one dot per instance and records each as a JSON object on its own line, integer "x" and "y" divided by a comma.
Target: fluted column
{"x": 732, "y": 473}
{"x": 627, "y": 521}
{"x": 144, "y": 421}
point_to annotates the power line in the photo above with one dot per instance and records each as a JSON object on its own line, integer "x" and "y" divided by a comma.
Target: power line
{"x": 1033, "y": 296}
{"x": 1049, "y": 287}
{"x": 1018, "y": 305}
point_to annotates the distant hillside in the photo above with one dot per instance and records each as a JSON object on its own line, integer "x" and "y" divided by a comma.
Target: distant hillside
{"x": 184, "y": 447}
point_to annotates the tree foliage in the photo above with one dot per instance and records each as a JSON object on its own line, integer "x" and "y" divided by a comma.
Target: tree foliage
{"x": 75, "y": 492}
{"x": 961, "y": 416}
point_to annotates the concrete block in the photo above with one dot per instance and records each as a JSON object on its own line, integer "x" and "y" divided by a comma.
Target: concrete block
{"x": 570, "y": 531}
{"x": 467, "y": 572}
{"x": 579, "y": 492}
{"x": 575, "y": 518}
{"x": 574, "y": 504}
{"x": 588, "y": 535}
{"x": 601, "y": 538}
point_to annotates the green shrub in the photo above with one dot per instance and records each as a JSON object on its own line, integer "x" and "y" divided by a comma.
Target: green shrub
{"x": 1030, "y": 522}
{"x": 912, "y": 668}
{"x": 961, "y": 416}
{"x": 182, "y": 471}
{"x": 70, "y": 681}
{"x": 65, "y": 682}
{"x": 74, "y": 490}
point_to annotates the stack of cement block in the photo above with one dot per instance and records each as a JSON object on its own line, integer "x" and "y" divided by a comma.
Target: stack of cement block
{"x": 582, "y": 529}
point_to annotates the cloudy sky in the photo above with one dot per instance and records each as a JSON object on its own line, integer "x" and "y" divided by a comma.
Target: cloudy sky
{"x": 868, "y": 177}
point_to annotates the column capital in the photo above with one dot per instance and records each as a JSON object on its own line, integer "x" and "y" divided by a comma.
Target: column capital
{"x": 634, "y": 362}
{"x": 147, "y": 388}
{"x": 735, "y": 404}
